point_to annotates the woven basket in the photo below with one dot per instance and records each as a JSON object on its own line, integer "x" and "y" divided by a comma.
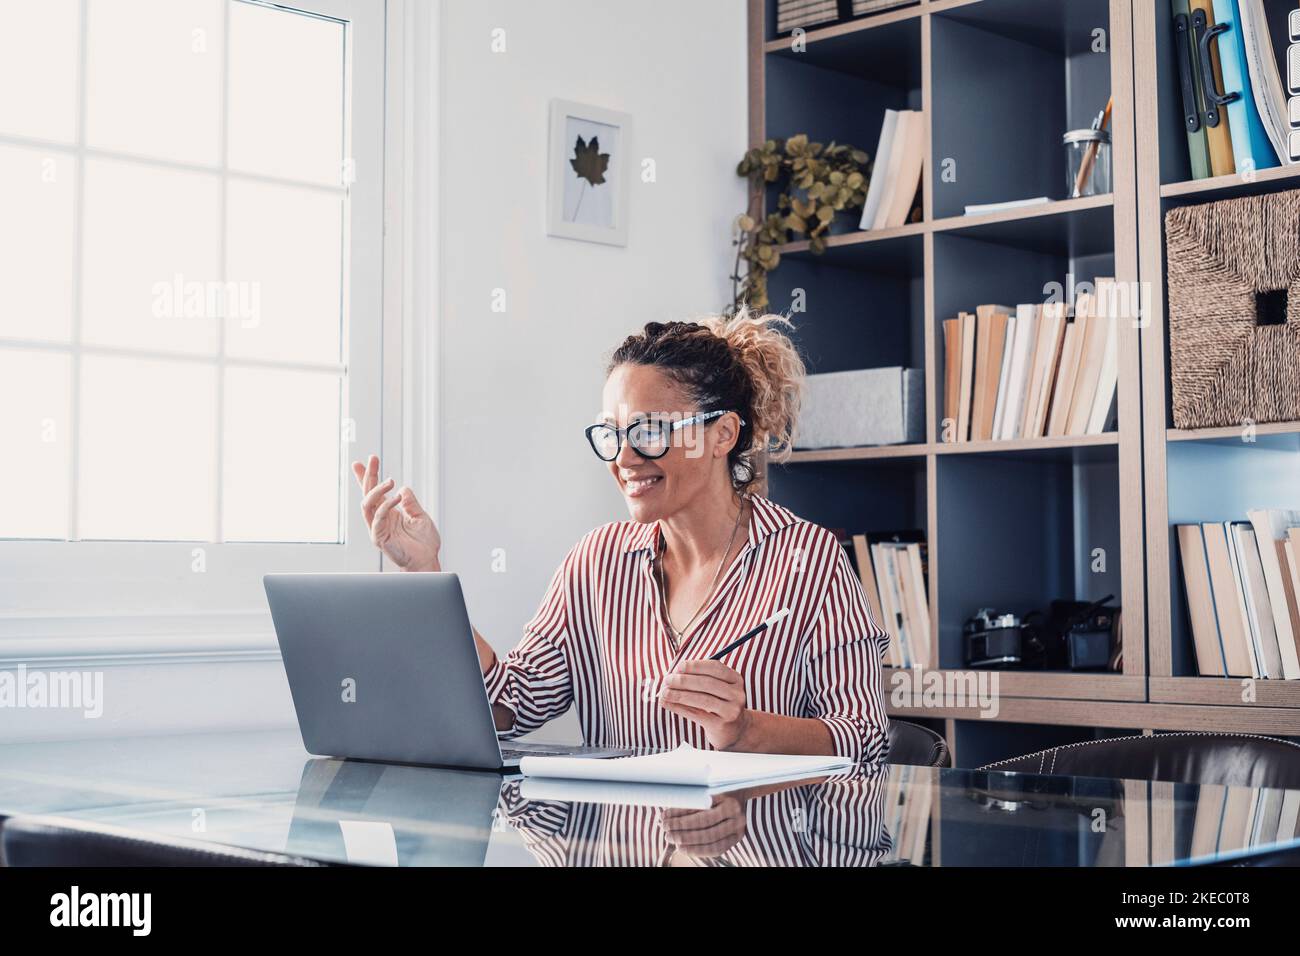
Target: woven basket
{"x": 1234, "y": 310}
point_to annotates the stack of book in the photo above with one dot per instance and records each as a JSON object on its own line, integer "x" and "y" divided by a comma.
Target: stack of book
{"x": 1252, "y": 132}
{"x": 892, "y": 568}
{"x": 804, "y": 13}
{"x": 1242, "y": 580}
{"x": 892, "y": 194}
{"x": 1033, "y": 370}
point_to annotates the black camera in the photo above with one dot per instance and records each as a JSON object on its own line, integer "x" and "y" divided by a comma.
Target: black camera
{"x": 1072, "y": 635}
{"x": 994, "y": 639}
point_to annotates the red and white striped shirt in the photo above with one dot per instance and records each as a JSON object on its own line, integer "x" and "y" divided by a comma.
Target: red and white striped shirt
{"x": 599, "y": 640}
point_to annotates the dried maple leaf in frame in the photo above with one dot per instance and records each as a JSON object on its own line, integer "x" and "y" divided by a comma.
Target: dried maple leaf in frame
{"x": 589, "y": 162}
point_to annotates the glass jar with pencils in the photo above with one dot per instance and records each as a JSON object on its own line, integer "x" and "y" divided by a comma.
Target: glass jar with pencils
{"x": 1087, "y": 162}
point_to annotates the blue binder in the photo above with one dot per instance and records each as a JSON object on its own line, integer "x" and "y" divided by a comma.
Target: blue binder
{"x": 1251, "y": 147}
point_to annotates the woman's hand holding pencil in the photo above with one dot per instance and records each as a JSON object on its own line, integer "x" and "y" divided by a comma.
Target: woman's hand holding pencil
{"x": 712, "y": 694}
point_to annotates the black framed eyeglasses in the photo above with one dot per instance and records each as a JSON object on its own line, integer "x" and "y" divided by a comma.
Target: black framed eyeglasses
{"x": 649, "y": 438}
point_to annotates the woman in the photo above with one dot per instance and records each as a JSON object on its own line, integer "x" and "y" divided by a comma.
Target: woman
{"x": 636, "y": 609}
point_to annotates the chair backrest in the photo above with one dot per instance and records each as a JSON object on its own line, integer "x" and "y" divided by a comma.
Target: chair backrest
{"x": 1236, "y": 760}
{"x": 916, "y": 745}
{"x": 52, "y": 841}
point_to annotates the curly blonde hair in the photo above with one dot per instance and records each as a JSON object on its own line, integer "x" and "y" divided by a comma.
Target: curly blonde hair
{"x": 739, "y": 362}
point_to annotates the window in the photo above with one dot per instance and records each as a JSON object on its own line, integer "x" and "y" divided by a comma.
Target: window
{"x": 191, "y": 308}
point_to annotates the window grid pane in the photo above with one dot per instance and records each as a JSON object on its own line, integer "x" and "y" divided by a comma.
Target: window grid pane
{"x": 127, "y": 395}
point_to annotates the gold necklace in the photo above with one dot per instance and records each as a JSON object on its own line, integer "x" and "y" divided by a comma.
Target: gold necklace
{"x": 678, "y": 636}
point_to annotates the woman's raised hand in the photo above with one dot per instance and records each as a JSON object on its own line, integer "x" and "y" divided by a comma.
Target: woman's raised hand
{"x": 398, "y": 525}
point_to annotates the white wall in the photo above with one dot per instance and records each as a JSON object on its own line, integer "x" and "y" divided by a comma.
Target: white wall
{"x": 518, "y": 388}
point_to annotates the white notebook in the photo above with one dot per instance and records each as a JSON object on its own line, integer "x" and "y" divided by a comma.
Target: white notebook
{"x": 686, "y": 766}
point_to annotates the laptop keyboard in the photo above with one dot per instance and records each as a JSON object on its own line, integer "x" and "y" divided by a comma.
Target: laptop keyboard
{"x": 559, "y": 750}
{"x": 509, "y": 753}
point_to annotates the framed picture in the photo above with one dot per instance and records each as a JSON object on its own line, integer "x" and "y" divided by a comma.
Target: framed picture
{"x": 588, "y": 171}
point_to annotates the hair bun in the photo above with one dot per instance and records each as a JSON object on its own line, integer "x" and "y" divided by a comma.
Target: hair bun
{"x": 775, "y": 369}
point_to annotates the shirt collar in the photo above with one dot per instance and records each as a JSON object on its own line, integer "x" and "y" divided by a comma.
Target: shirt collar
{"x": 768, "y": 518}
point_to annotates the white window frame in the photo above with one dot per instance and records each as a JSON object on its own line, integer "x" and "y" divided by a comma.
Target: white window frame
{"x": 131, "y": 601}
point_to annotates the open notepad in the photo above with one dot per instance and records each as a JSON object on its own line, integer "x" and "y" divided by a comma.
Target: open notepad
{"x": 686, "y": 766}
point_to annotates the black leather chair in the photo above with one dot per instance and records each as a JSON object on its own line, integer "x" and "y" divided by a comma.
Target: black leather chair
{"x": 1235, "y": 760}
{"x": 51, "y": 841}
{"x": 916, "y": 745}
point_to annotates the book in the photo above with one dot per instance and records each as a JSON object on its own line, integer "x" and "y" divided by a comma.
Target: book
{"x": 880, "y": 172}
{"x": 1243, "y": 607}
{"x": 890, "y": 600}
{"x": 1200, "y": 601}
{"x": 1027, "y": 323}
{"x": 1004, "y": 378}
{"x": 903, "y": 566}
{"x": 1265, "y": 80}
{"x": 897, "y": 611}
{"x": 951, "y": 373}
{"x": 966, "y": 397}
{"x": 1066, "y": 373}
{"x": 907, "y": 606}
{"x": 1259, "y": 617}
{"x": 990, "y": 334}
{"x": 1292, "y": 548}
{"x": 1103, "y": 402}
{"x": 1047, "y": 351}
{"x": 988, "y": 208}
{"x": 904, "y": 171}
{"x": 914, "y": 573}
{"x": 1219, "y": 136}
{"x": 1238, "y": 660}
{"x": 897, "y": 149}
{"x": 1271, "y": 528}
{"x": 686, "y": 766}
{"x": 1198, "y": 147}
{"x": 1091, "y": 354}
{"x": 1251, "y": 148}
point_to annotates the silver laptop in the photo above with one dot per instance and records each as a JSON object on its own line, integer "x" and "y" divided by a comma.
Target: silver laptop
{"x": 384, "y": 667}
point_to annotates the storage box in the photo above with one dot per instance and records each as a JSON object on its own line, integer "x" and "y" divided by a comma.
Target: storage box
{"x": 872, "y": 406}
{"x": 1234, "y": 310}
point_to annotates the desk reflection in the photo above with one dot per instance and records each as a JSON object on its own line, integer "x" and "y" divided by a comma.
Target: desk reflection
{"x": 388, "y": 815}
{"x": 826, "y": 821}
{"x": 259, "y": 791}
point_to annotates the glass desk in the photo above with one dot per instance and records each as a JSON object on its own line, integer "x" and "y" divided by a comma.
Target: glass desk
{"x": 261, "y": 791}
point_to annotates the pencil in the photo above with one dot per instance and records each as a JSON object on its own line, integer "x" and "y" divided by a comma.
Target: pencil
{"x": 1090, "y": 155}
{"x": 750, "y": 635}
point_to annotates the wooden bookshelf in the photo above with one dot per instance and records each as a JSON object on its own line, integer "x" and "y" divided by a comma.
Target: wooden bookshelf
{"x": 1203, "y": 474}
{"x": 1009, "y": 523}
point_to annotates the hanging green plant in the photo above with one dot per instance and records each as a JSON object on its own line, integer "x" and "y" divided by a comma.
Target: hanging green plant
{"x": 815, "y": 181}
